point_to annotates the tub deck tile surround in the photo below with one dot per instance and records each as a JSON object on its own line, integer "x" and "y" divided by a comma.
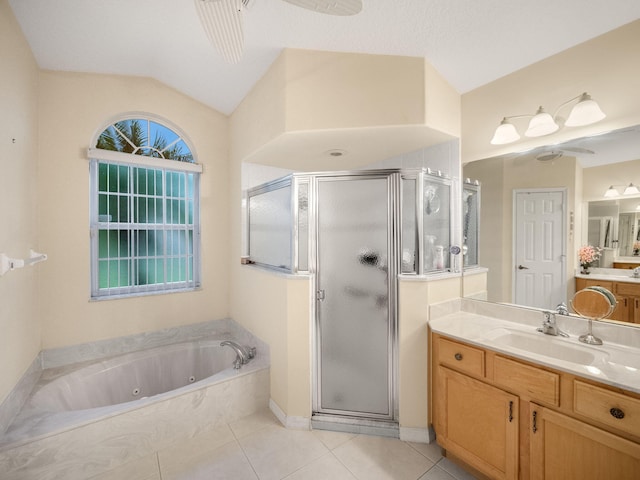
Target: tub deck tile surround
{"x": 106, "y": 444}
{"x": 80, "y": 444}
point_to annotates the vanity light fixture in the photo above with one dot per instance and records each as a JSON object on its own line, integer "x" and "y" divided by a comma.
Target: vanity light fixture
{"x": 613, "y": 192}
{"x": 585, "y": 112}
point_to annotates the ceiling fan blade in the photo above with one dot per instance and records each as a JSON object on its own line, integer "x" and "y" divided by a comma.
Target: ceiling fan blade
{"x": 330, "y": 7}
{"x": 222, "y": 22}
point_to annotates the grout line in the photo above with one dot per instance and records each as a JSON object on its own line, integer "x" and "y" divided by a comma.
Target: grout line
{"x": 347, "y": 468}
{"x": 244, "y": 453}
{"x": 158, "y": 462}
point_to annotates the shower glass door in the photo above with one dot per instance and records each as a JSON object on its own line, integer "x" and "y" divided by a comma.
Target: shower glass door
{"x": 355, "y": 297}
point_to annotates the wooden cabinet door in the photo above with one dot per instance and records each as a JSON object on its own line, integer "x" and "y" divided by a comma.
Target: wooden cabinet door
{"x": 624, "y": 309}
{"x": 635, "y": 318}
{"x": 477, "y": 423}
{"x": 564, "y": 448}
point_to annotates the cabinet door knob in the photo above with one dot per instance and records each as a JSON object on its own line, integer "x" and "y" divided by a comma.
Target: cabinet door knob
{"x": 458, "y": 356}
{"x": 617, "y": 413}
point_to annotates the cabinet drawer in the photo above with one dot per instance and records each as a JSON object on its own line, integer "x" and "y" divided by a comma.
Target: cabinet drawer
{"x": 610, "y": 408}
{"x": 461, "y": 357}
{"x": 631, "y": 289}
{"x": 584, "y": 283}
{"x": 529, "y": 382}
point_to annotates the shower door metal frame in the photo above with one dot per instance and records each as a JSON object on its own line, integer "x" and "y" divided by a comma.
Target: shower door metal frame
{"x": 393, "y": 244}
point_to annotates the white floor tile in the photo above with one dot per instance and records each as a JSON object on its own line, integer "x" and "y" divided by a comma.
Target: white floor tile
{"x": 432, "y": 450}
{"x": 436, "y": 473}
{"x": 372, "y": 458}
{"x": 143, "y": 469}
{"x": 252, "y": 423}
{"x": 454, "y": 470}
{"x": 327, "y": 467}
{"x": 333, "y": 440}
{"x": 224, "y": 463}
{"x": 275, "y": 452}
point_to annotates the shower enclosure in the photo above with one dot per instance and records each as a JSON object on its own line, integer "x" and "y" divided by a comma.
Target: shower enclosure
{"x": 355, "y": 232}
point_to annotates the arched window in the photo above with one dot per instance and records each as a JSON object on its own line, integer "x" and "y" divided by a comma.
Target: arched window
{"x": 145, "y": 196}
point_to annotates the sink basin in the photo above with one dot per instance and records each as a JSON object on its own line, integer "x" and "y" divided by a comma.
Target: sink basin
{"x": 540, "y": 344}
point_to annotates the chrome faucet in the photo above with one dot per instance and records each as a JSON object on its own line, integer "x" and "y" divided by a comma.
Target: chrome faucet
{"x": 243, "y": 354}
{"x": 549, "y": 326}
{"x": 636, "y": 272}
{"x": 562, "y": 309}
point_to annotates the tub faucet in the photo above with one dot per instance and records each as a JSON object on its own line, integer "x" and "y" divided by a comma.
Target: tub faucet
{"x": 549, "y": 326}
{"x": 243, "y": 354}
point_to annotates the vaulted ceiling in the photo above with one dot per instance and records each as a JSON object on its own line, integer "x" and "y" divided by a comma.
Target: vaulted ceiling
{"x": 469, "y": 42}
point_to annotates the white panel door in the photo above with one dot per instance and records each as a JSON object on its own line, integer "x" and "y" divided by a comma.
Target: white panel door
{"x": 539, "y": 248}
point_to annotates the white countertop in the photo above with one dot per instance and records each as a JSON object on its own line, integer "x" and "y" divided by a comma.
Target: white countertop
{"x": 613, "y": 364}
{"x": 610, "y": 274}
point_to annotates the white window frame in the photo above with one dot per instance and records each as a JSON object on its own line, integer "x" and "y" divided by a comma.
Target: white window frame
{"x": 97, "y": 156}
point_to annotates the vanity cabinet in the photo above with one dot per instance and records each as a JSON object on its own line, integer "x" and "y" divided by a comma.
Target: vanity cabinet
{"x": 627, "y": 295}
{"x": 511, "y": 419}
{"x": 563, "y": 447}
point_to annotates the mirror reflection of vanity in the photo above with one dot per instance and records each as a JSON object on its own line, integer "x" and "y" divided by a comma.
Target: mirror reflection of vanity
{"x": 584, "y": 169}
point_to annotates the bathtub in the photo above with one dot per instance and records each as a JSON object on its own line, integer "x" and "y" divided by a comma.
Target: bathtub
{"x": 135, "y": 376}
{"x": 93, "y": 416}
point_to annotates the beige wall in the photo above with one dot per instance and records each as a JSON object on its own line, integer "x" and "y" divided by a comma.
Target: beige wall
{"x": 72, "y": 109}
{"x": 607, "y": 67}
{"x": 19, "y": 320}
{"x": 413, "y": 306}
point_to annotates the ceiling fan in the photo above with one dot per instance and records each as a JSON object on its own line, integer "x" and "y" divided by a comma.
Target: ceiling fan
{"x": 222, "y": 20}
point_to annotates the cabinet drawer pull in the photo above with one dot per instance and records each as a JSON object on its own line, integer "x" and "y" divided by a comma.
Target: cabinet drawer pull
{"x": 458, "y": 356}
{"x": 617, "y": 413}
{"x": 534, "y": 422}
{"x": 511, "y": 411}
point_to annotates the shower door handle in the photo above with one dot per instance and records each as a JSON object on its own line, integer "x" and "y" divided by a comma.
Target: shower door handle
{"x": 320, "y": 295}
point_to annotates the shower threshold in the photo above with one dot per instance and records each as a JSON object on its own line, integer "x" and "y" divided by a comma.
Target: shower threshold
{"x": 367, "y": 426}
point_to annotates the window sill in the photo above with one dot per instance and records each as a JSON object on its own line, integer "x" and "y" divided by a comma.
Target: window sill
{"x": 143, "y": 294}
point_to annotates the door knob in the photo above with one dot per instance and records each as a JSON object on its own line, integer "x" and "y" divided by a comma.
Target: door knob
{"x": 522, "y": 267}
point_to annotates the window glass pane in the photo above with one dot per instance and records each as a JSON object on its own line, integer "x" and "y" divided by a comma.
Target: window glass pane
{"x": 103, "y": 214}
{"x": 123, "y": 179}
{"x": 129, "y": 257}
{"x": 103, "y": 175}
{"x": 113, "y": 178}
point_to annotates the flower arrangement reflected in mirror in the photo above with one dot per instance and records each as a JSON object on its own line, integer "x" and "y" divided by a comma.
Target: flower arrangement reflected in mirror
{"x": 587, "y": 255}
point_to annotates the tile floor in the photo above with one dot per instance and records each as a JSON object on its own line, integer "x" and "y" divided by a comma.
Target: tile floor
{"x": 259, "y": 448}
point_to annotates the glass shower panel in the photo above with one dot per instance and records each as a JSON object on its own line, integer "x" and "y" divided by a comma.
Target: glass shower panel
{"x": 354, "y": 296}
{"x": 471, "y": 224}
{"x": 436, "y": 209}
{"x": 303, "y": 226}
{"x": 270, "y": 226}
{"x": 409, "y": 226}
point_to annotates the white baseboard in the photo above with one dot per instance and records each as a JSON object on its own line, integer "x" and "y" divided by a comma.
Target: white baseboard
{"x": 417, "y": 435}
{"x": 294, "y": 423}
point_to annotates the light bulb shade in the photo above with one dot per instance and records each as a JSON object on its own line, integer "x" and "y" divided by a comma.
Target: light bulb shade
{"x": 505, "y": 133}
{"x": 541, "y": 124}
{"x": 611, "y": 192}
{"x": 631, "y": 190}
{"x": 585, "y": 112}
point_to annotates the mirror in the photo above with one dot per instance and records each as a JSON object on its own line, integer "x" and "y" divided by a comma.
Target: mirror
{"x": 583, "y": 169}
